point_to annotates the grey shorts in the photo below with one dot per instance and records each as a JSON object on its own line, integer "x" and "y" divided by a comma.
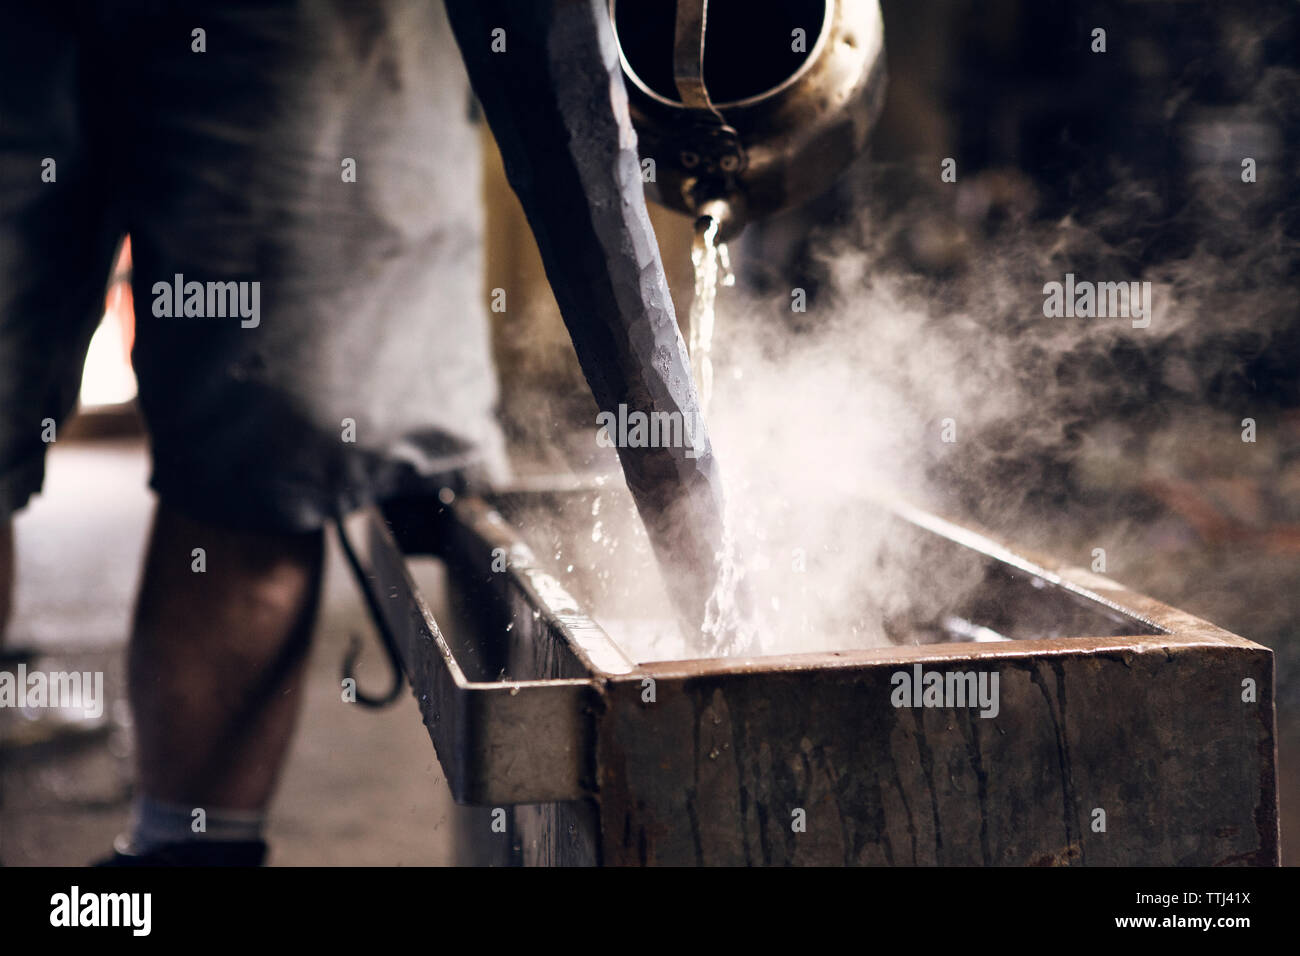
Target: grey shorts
{"x": 230, "y": 168}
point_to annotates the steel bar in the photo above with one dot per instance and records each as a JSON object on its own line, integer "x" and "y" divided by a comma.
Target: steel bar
{"x": 552, "y": 92}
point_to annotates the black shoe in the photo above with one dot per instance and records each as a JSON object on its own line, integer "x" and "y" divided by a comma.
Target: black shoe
{"x": 193, "y": 853}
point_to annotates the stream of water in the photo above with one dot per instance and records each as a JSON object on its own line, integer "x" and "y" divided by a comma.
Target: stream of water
{"x": 725, "y": 627}
{"x": 712, "y": 268}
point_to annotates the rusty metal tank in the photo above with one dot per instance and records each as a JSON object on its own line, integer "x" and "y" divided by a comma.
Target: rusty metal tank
{"x": 755, "y": 104}
{"x": 1124, "y": 732}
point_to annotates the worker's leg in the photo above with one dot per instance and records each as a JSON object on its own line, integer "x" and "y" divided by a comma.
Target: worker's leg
{"x": 313, "y": 173}
{"x": 216, "y": 659}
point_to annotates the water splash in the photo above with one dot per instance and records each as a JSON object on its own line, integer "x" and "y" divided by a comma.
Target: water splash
{"x": 729, "y": 628}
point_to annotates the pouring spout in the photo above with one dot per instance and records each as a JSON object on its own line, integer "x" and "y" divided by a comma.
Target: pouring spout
{"x": 726, "y": 209}
{"x": 718, "y": 211}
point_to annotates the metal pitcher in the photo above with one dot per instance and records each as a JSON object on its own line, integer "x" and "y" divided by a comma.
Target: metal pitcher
{"x": 748, "y": 107}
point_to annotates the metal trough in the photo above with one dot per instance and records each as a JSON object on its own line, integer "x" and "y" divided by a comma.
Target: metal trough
{"x": 1147, "y": 739}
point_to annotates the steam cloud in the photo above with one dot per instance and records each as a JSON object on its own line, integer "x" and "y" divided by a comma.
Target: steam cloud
{"x": 1052, "y": 416}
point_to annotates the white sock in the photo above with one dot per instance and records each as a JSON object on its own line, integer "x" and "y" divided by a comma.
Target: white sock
{"x": 155, "y": 823}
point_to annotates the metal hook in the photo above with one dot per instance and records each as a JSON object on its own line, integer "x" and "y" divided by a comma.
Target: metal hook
{"x": 385, "y": 635}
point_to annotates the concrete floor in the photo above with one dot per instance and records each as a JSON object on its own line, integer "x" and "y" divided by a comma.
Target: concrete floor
{"x": 361, "y": 787}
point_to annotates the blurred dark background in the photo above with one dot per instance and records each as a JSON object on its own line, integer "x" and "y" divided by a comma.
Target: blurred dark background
{"x": 1112, "y": 165}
